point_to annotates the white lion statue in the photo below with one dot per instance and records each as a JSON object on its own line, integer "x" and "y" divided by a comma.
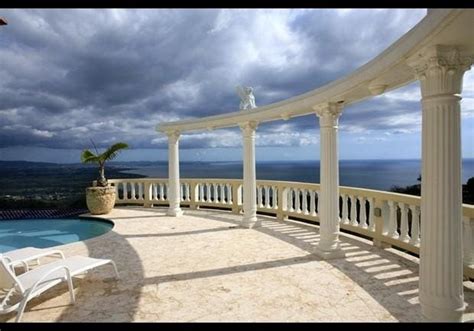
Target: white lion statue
{"x": 247, "y": 99}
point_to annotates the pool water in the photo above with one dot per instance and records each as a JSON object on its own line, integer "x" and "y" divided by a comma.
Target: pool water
{"x": 44, "y": 233}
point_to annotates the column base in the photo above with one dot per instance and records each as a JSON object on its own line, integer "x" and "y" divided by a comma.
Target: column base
{"x": 251, "y": 223}
{"x": 329, "y": 255}
{"x": 175, "y": 212}
{"x": 435, "y": 314}
{"x": 381, "y": 244}
{"x": 282, "y": 218}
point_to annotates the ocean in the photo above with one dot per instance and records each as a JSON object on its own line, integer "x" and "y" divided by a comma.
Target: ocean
{"x": 371, "y": 174}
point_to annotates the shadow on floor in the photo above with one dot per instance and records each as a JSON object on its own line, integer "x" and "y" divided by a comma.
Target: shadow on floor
{"x": 387, "y": 277}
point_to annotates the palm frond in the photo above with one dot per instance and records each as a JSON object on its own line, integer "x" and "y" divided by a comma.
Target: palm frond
{"x": 113, "y": 151}
{"x": 88, "y": 157}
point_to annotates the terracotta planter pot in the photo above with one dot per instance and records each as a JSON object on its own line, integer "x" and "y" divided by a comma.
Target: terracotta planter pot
{"x": 100, "y": 200}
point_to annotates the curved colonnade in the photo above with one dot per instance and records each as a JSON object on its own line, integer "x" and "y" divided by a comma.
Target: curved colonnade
{"x": 437, "y": 52}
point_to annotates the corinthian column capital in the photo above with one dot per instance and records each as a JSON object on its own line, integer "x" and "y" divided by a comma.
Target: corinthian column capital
{"x": 328, "y": 113}
{"x": 173, "y": 136}
{"x": 440, "y": 69}
{"x": 248, "y": 128}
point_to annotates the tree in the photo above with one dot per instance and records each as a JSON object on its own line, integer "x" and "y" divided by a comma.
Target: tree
{"x": 89, "y": 157}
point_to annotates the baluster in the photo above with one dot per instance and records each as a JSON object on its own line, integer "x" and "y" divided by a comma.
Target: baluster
{"x": 219, "y": 197}
{"x": 207, "y": 196}
{"x": 188, "y": 191}
{"x": 162, "y": 193}
{"x": 259, "y": 197}
{"x": 297, "y": 201}
{"x": 392, "y": 225}
{"x": 305, "y": 201}
{"x": 133, "y": 191}
{"x": 140, "y": 191}
{"x": 229, "y": 194}
{"x": 216, "y": 198}
{"x": 404, "y": 222}
{"x": 362, "y": 213}
{"x": 318, "y": 193}
{"x": 354, "y": 210}
{"x": 222, "y": 193}
{"x": 124, "y": 191}
{"x": 155, "y": 191}
{"x": 370, "y": 219}
{"x": 312, "y": 203}
{"x": 267, "y": 197}
{"x": 127, "y": 190}
{"x": 275, "y": 201}
{"x": 201, "y": 192}
{"x": 290, "y": 199}
{"x": 240, "y": 190}
{"x": 345, "y": 210}
{"x": 415, "y": 225}
{"x": 224, "y": 197}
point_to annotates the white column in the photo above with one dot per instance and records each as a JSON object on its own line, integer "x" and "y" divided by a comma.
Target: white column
{"x": 174, "y": 192}
{"x": 329, "y": 247}
{"x": 440, "y": 70}
{"x": 250, "y": 180}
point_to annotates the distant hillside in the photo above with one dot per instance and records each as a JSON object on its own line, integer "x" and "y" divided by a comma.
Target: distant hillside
{"x": 49, "y": 185}
{"x": 121, "y": 164}
{"x": 25, "y": 164}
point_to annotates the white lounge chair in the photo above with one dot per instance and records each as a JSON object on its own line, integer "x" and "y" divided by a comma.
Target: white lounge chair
{"x": 24, "y": 255}
{"x": 34, "y": 282}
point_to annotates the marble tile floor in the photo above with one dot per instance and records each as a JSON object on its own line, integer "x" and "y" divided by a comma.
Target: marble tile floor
{"x": 203, "y": 267}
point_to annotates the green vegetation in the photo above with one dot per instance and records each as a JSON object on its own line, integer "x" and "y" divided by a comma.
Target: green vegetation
{"x": 109, "y": 154}
{"x": 467, "y": 190}
{"x": 29, "y": 185}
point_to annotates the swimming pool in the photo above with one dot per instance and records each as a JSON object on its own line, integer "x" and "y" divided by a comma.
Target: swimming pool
{"x": 44, "y": 233}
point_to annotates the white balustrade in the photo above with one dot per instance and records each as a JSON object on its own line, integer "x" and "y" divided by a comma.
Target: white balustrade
{"x": 403, "y": 227}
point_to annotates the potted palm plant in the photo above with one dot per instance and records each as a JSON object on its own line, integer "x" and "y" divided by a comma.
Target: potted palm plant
{"x": 100, "y": 199}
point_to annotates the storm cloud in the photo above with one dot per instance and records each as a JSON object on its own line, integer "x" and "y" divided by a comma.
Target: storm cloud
{"x": 72, "y": 75}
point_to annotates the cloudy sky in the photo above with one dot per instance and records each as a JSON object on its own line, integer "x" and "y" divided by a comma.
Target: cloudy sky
{"x": 112, "y": 75}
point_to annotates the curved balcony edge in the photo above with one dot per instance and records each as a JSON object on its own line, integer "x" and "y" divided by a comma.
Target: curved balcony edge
{"x": 388, "y": 219}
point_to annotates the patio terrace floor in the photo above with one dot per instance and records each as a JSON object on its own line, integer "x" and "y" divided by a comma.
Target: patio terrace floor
{"x": 203, "y": 267}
